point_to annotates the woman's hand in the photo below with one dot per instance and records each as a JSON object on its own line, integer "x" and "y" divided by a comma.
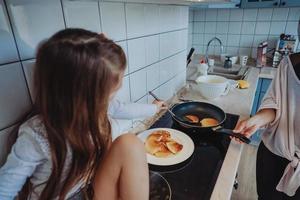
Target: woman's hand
{"x": 249, "y": 126}
{"x": 161, "y": 105}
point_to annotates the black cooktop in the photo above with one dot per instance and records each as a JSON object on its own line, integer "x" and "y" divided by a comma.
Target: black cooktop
{"x": 196, "y": 177}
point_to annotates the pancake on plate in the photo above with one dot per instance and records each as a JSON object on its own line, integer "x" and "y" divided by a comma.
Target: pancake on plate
{"x": 160, "y": 144}
{"x": 209, "y": 122}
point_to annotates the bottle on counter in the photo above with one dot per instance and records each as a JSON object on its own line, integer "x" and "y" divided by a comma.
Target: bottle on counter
{"x": 202, "y": 68}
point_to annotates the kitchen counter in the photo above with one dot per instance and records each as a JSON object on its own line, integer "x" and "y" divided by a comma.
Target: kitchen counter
{"x": 238, "y": 101}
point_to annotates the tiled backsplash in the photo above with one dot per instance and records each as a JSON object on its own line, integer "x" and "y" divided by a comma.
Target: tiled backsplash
{"x": 241, "y": 30}
{"x": 153, "y": 36}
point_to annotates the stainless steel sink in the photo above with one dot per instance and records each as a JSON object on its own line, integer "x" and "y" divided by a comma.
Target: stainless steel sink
{"x": 235, "y": 73}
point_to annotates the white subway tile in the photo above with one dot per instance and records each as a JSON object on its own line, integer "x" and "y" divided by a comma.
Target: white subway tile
{"x": 151, "y": 18}
{"x": 184, "y": 16}
{"x": 113, "y": 20}
{"x": 34, "y": 21}
{"x": 135, "y": 20}
{"x": 28, "y": 67}
{"x": 223, "y": 15}
{"x": 280, "y": 14}
{"x": 8, "y": 50}
{"x": 294, "y": 14}
{"x": 153, "y": 72}
{"x": 166, "y": 18}
{"x": 191, "y": 15}
{"x": 123, "y": 93}
{"x": 138, "y": 84}
{"x": 277, "y": 27}
{"x": 250, "y": 14}
{"x": 246, "y": 40}
{"x": 198, "y": 39}
{"x": 236, "y": 14}
{"x": 167, "y": 90}
{"x": 170, "y": 43}
{"x": 211, "y": 15}
{"x": 291, "y": 28}
{"x": 152, "y": 49}
{"x": 233, "y": 40}
{"x": 235, "y": 27}
{"x": 264, "y": 14}
{"x": 222, "y": 27}
{"x": 262, "y": 27}
{"x": 79, "y": 14}
{"x": 191, "y": 28}
{"x": 137, "y": 54}
{"x": 199, "y": 27}
{"x": 15, "y": 100}
{"x": 248, "y": 27}
{"x": 210, "y": 27}
{"x": 199, "y": 15}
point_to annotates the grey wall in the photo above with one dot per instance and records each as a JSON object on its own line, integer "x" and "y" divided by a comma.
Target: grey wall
{"x": 241, "y": 30}
{"x": 153, "y": 36}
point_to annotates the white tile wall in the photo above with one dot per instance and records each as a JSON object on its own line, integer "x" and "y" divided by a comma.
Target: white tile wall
{"x": 28, "y": 67}
{"x": 82, "y": 14}
{"x": 33, "y": 21}
{"x": 135, "y": 20}
{"x": 124, "y": 92}
{"x": 152, "y": 49}
{"x": 113, "y": 20}
{"x": 137, "y": 55}
{"x": 8, "y": 50}
{"x": 13, "y": 89}
{"x": 153, "y": 75}
{"x": 161, "y": 42}
{"x": 241, "y": 30}
{"x": 138, "y": 84}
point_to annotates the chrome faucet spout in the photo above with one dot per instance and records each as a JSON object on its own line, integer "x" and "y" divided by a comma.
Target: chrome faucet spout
{"x": 207, "y": 48}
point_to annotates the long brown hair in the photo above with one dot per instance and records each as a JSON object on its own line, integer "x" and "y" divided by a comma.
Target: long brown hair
{"x": 76, "y": 72}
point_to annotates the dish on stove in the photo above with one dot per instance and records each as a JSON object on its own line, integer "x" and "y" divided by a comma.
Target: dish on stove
{"x": 178, "y": 136}
{"x": 160, "y": 144}
{"x": 193, "y": 118}
{"x": 209, "y": 122}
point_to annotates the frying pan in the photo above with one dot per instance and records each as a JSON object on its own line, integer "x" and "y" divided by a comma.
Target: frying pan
{"x": 204, "y": 110}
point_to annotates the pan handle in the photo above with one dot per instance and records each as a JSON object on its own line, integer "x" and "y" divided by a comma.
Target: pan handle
{"x": 233, "y": 134}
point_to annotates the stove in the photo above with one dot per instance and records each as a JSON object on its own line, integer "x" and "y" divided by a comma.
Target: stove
{"x": 195, "y": 178}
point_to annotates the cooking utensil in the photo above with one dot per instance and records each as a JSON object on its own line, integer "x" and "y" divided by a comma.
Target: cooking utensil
{"x": 182, "y": 118}
{"x": 205, "y": 110}
{"x": 245, "y": 73}
{"x": 189, "y": 57}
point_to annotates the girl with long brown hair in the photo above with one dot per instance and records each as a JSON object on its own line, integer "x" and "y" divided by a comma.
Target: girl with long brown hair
{"x": 66, "y": 148}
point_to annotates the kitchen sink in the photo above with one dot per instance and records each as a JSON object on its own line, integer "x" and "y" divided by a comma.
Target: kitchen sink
{"x": 235, "y": 73}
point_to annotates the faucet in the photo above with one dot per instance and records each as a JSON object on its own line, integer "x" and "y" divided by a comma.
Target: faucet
{"x": 207, "y": 47}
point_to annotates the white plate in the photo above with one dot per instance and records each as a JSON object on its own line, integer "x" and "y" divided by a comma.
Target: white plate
{"x": 178, "y": 136}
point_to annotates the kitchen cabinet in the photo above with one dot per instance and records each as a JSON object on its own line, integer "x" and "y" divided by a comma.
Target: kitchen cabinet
{"x": 268, "y": 3}
{"x": 262, "y": 87}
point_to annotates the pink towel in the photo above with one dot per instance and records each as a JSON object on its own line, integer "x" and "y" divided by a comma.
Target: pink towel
{"x": 282, "y": 136}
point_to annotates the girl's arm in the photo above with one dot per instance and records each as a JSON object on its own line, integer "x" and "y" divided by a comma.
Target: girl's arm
{"x": 260, "y": 119}
{"x": 26, "y": 154}
{"x": 119, "y": 110}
